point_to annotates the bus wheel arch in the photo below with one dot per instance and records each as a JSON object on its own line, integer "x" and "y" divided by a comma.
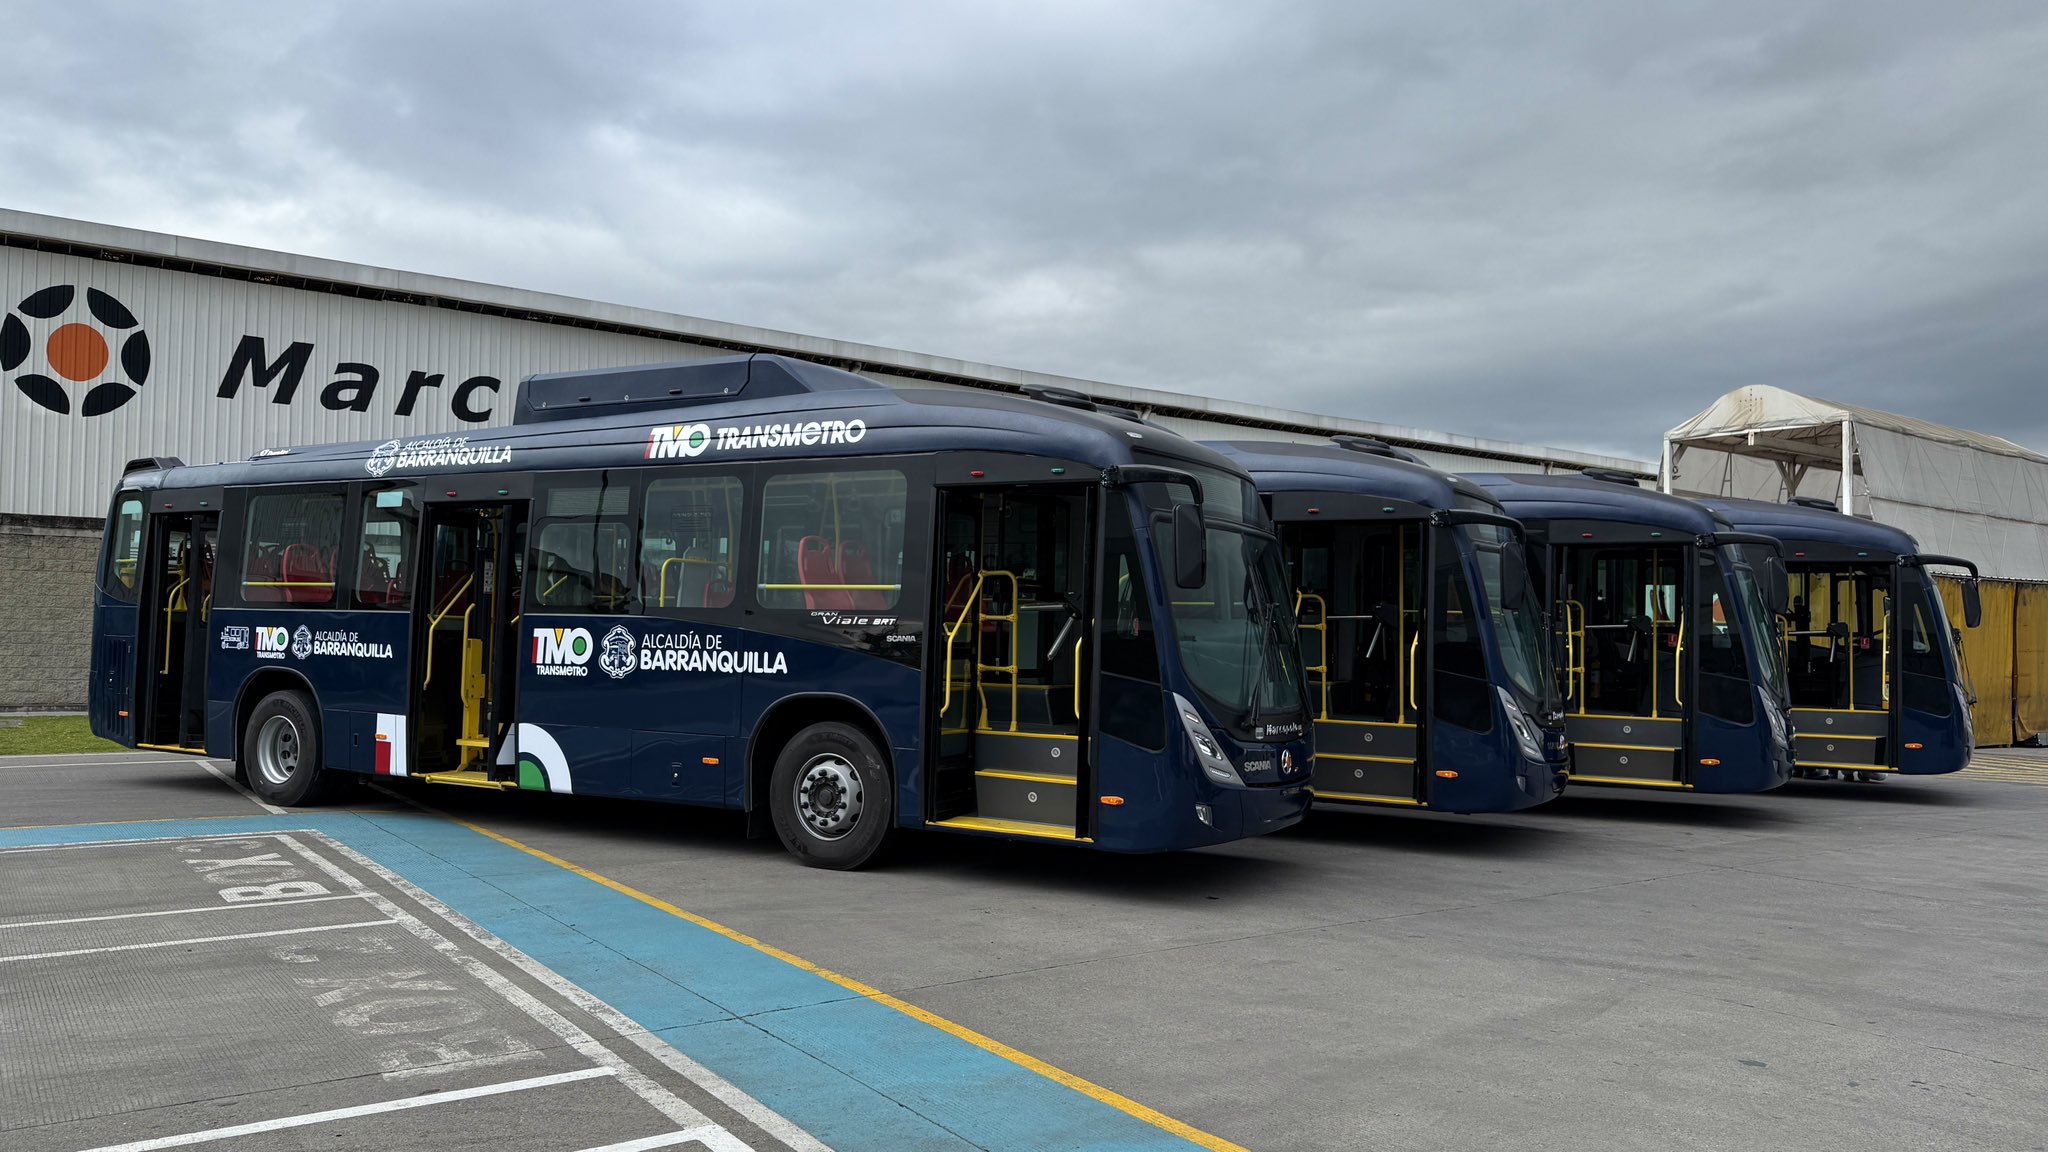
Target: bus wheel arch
{"x": 281, "y": 699}
{"x": 834, "y": 756}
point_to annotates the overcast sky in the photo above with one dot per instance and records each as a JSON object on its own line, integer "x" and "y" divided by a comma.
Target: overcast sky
{"x": 1566, "y": 224}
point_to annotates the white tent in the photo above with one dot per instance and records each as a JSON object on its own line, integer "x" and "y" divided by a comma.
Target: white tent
{"x": 1961, "y": 493}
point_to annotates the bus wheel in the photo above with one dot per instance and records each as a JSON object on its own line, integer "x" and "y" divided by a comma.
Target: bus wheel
{"x": 281, "y": 750}
{"x": 831, "y": 797}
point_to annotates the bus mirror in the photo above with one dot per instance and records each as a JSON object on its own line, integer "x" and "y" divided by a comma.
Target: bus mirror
{"x": 1973, "y": 605}
{"x": 1190, "y": 547}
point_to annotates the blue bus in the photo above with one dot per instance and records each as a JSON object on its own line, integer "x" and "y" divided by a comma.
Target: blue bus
{"x": 1430, "y": 676}
{"x": 748, "y": 582}
{"x": 1875, "y": 681}
{"x": 1665, "y": 634}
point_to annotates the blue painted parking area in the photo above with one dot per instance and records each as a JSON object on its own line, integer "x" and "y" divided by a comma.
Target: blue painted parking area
{"x": 806, "y": 1059}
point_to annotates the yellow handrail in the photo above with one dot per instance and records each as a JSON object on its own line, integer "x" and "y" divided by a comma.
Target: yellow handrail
{"x": 1884, "y": 640}
{"x": 1322, "y": 630}
{"x": 1078, "y": 642}
{"x": 1414, "y": 645}
{"x": 434, "y": 622}
{"x": 171, "y": 605}
{"x": 662, "y": 592}
{"x": 1677, "y": 666}
{"x": 1575, "y": 652}
{"x": 953, "y": 630}
{"x": 972, "y": 607}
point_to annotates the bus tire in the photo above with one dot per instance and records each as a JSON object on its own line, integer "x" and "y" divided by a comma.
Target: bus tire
{"x": 281, "y": 751}
{"x": 831, "y": 797}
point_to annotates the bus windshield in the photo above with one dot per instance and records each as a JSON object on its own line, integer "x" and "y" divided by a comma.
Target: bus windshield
{"x": 1511, "y": 604}
{"x": 1755, "y": 618}
{"x": 1236, "y": 633}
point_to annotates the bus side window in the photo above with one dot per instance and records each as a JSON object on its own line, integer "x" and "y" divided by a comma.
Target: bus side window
{"x": 687, "y": 528}
{"x": 832, "y": 540}
{"x": 391, "y": 522}
{"x": 1133, "y": 704}
{"x": 583, "y": 552}
{"x": 291, "y": 547}
{"x": 124, "y": 548}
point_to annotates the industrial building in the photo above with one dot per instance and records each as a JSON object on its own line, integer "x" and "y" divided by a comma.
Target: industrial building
{"x": 117, "y": 344}
{"x": 1957, "y": 492}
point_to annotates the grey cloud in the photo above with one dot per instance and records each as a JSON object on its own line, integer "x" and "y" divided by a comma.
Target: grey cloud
{"x": 1558, "y": 225}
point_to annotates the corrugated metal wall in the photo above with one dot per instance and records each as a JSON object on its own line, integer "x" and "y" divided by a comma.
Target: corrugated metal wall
{"x": 65, "y": 464}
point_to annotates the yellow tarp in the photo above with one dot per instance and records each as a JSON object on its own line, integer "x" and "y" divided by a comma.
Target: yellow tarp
{"x": 2004, "y": 668}
{"x": 2030, "y": 662}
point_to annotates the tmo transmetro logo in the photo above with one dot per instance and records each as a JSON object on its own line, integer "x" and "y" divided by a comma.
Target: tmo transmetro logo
{"x": 562, "y": 651}
{"x": 58, "y": 342}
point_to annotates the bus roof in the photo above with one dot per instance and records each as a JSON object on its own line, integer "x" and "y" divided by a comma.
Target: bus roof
{"x": 1279, "y": 466}
{"x": 806, "y": 411}
{"x": 1805, "y": 528}
{"x": 1529, "y": 496}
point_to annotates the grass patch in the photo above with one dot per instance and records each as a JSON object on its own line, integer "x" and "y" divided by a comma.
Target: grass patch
{"x": 50, "y": 735}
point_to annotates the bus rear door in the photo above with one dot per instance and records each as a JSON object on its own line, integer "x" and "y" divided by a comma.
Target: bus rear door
{"x": 172, "y": 637}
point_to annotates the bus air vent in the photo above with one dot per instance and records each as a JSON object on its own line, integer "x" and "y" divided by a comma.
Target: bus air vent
{"x": 688, "y": 384}
{"x": 1374, "y": 447}
{"x": 1819, "y": 502}
{"x": 1612, "y": 476}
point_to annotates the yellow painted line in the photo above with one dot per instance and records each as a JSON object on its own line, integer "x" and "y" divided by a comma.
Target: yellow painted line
{"x": 988, "y": 1044}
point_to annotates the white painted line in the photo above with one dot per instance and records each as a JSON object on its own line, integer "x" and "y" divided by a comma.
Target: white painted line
{"x": 714, "y": 1137}
{"x": 137, "y": 841}
{"x": 139, "y": 759}
{"x": 679, "y": 1111}
{"x": 228, "y": 779}
{"x": 196, "y": 940}
{"x": 400, "y": 1105}
{"x": 182, "y": 911}
{"x": 725, "y": 1091}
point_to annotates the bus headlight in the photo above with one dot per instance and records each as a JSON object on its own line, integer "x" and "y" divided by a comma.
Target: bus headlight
{"x": 1527, "y": 738}
{"x": 1207, "y": 750}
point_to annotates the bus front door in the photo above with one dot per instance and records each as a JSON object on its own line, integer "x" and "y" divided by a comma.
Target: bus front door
{"x": 1011, "y": 685}
{"x": 1624, "y": 659}
{"x": 1359, "y": 595}
{"x": 173, "y": 640}
{"x": 465, "y": 646}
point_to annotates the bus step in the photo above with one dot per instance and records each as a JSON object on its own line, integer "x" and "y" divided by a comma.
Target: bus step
{"x": 1013, "y": 828}
{"x": 1030, "y": 797}
{"x": 472, "y": 742}
{"x": 470, "y": 779}
{"x": 1359, "y": 780}
{"x": 1039, "y": 753}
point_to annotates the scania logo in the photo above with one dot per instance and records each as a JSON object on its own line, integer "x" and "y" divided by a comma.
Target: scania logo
{"x": 63, "y": 347}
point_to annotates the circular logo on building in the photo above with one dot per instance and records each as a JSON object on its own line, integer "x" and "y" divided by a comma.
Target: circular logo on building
{"x": 382, "y": 458}
{"x": 617, "y": 657}
{"x": 302, "y": 642}
{"x": 61, "y": 345}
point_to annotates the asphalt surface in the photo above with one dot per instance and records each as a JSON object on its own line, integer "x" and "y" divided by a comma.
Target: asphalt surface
{"x": 1831, "y": 966}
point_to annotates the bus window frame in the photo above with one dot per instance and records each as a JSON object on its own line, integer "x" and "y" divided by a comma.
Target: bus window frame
{"x": 231, "y": 549}
{"x": 745, "y": 534}
{"x": 914, "y": 596}
{"x": 632, "y": 480}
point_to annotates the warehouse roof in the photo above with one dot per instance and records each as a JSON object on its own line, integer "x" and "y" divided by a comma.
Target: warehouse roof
{"x": 107, "y": 242}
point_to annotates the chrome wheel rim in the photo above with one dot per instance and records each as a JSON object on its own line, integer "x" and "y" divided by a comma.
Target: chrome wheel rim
{"x": 828, "y": 796}
{"x": 277, "y": 750}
